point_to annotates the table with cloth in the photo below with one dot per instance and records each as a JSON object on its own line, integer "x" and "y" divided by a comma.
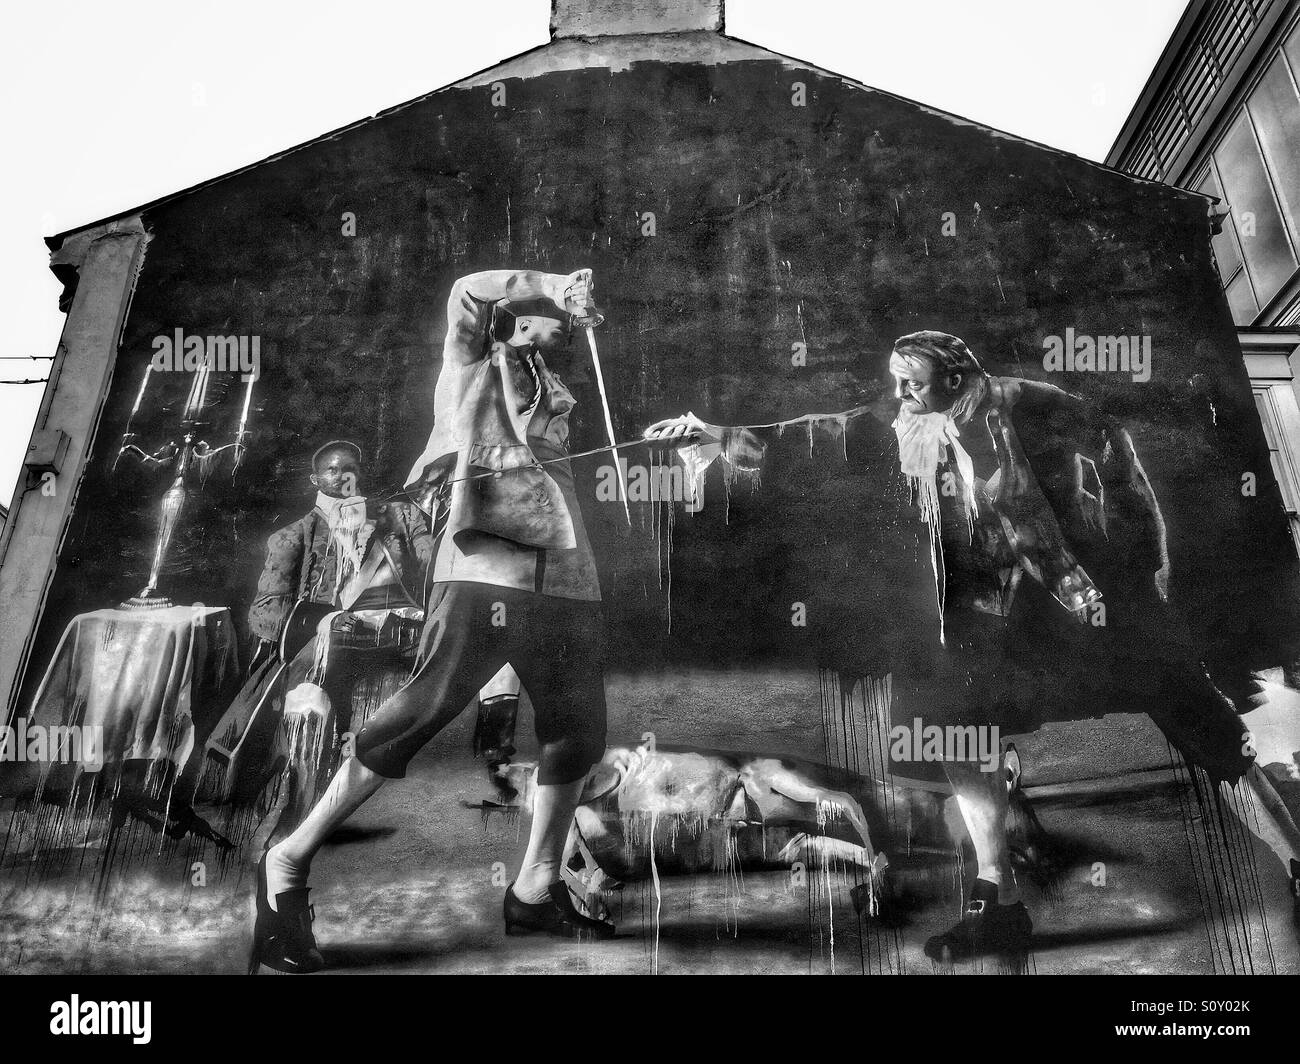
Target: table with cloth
{"x": 154, "y": 680}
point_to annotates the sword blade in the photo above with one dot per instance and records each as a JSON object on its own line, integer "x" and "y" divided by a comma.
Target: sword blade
{"x": 609, "y": 421}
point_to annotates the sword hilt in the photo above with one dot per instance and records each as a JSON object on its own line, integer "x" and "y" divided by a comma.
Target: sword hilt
{"x": 588, "y": 316}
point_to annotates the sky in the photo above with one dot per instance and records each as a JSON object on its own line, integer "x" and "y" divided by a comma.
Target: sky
{"x": 108, "y": 106}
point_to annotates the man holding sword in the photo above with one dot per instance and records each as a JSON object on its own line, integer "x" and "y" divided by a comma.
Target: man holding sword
{"x": 514, "y": 582}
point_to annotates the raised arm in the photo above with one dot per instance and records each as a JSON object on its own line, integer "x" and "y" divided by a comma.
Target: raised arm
{"x": 471, "y": 292}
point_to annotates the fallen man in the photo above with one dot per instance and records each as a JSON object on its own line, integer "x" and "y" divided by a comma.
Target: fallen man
{"x": 691, "y": 810}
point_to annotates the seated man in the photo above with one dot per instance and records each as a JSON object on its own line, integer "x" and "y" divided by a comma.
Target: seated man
{"x": 340, "y": 597}
{"x": 354, "y": 573}
{"x": 373, "y": 597}
{"x": 348, "y": 580}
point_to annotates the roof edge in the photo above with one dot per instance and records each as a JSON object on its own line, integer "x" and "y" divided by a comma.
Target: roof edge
{"x": 502, "y": 69}
{"x": 962, "y": 120}
{"x": 1188, "y": 21}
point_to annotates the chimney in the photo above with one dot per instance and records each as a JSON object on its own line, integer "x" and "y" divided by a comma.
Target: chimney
{"x": 611, "y": 18}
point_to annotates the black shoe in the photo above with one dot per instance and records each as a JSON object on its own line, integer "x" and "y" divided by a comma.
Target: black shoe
{"x": 282, "y": 937}
{"x": 556, "y": 917}
{"x": 986, "y": 927}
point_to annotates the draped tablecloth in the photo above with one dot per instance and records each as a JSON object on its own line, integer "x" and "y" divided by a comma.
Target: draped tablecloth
{"x": 155, "y": 681}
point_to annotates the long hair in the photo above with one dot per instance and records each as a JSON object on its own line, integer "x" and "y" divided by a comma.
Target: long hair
{"x": 948, "y": 354}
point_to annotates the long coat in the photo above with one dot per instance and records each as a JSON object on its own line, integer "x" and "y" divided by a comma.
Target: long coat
{"x": 1083, "y": 504}
{"x": 301, "y": 562}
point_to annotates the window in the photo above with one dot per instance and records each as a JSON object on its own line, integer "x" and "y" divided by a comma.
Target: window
{"x": 1220, "y": 40}
{"x": 1278, "y": 411}
{"x": 1256, "y": 215}
{"x": 1227, "y": 254}
{"x": 1275, "y": 111}
{"x": 1255, "y": 171}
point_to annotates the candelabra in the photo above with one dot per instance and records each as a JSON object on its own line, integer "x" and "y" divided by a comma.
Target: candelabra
{"x": 188, "y": 460}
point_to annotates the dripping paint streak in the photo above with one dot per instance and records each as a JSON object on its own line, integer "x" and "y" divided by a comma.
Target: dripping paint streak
{"x": 654, "y": 876}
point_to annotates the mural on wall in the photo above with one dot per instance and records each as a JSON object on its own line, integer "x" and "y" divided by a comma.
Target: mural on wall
{"x": 717, "y": 475}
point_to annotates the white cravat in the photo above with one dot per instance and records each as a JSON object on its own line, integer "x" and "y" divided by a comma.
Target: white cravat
{"x": 347, "y": 518}
{"x": 923, "y": 440}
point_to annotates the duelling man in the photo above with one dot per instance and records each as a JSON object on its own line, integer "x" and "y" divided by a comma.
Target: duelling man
{"x": 514, "y": 582}
{"x": 1040, "y": 512}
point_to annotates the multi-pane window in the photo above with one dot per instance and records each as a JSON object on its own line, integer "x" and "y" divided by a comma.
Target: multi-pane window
{"x": 1227, "y": 253}
{"x": 1255, "y": 170}
{"x": 1278, "y": 412}
{"x": 1217, "y": 45}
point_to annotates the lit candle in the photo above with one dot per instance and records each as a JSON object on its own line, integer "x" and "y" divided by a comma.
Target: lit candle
{"x": 144, "y": 382}
{"x": 205, "y": 374}
{"x": 248, "y": 398}
{"x": 191, "y": 398}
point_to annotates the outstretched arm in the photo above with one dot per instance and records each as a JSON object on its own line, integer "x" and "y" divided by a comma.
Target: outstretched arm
{"x": 685, "y": 429}
{"x": 740, "y": 447}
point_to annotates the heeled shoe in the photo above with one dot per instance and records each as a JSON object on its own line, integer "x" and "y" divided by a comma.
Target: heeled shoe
{"x": 986, "y": 927}
{"x": 557, "y": 916}
{"x": 282, "y": 937}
